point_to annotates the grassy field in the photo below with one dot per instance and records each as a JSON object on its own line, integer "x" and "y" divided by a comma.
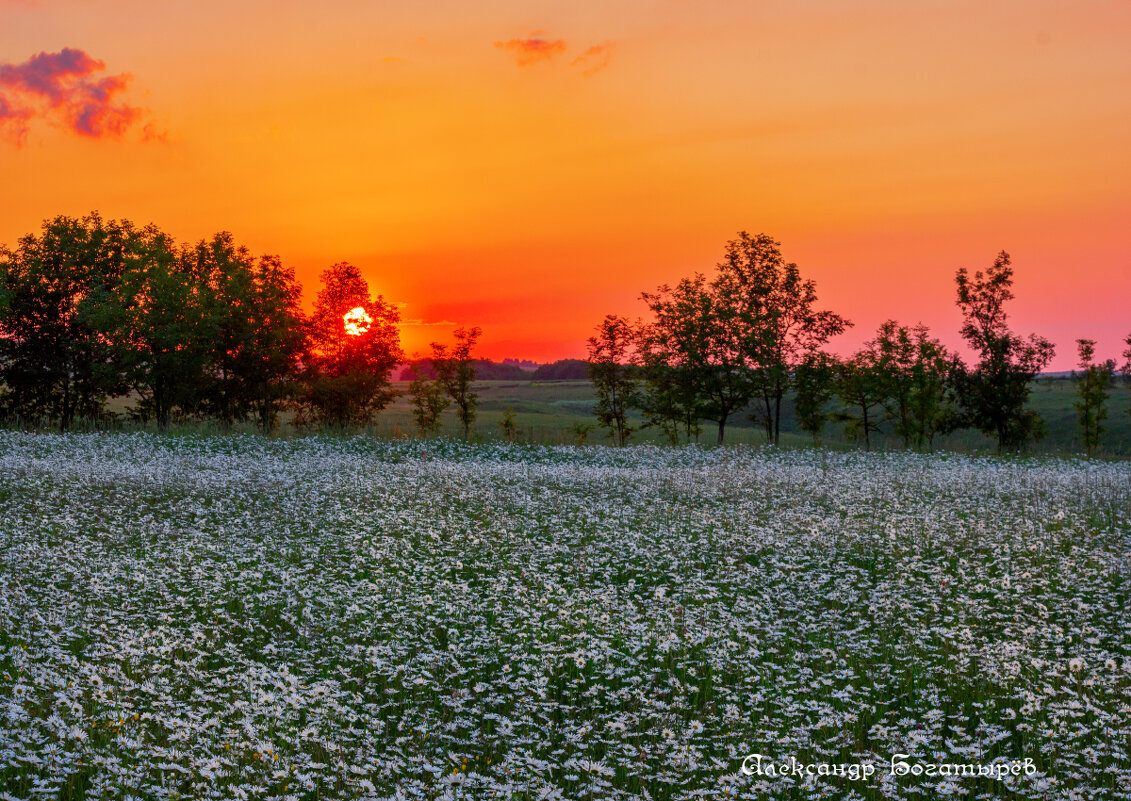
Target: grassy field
{"x": 237, "y": 617}
{"x": 549, "y": 412}
{"x": 561, "y": 413}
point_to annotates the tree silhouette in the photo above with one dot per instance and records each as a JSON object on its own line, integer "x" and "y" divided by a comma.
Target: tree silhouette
{"x": 455, "y": 370}
{"x": 253, "y": 306}
{"x": 53, "y": 363}
{"x": 347, "y": 376}
{"x": 861, "y": 385}
{"x": 1093, "y": 383}
{"x": 915, "y": 369}
{"x": 698, "y": 332}
{"x": 429, "y": 399}
{"x": 613, "y": 377}
{"x": 994, "y": 392}
{"x": 159, "y": 324}
{"x": 780, "y": 323}
{"x": 814, "y": 382}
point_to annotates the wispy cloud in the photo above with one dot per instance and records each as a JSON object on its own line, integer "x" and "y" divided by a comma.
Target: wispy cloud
{"x": 419, "y": 321}
{"x": 595, "y": 58}
{"x": 63, "y": 87}
{"x": 533, "y": 49}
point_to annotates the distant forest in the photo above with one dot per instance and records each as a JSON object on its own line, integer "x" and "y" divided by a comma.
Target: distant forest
{"x": 506, "y": 370}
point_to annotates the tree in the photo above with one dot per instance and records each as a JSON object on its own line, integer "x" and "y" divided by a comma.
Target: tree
{"x": 354, "y": 346}
{"x": 614, "y": 378}
{"x": 429, "y": 399}
{"x": 1092, "y": 387}
{"x": 775, "y": 306}
{"x": 916, "y": 371}
{"x": 53, "y": 363}
{"x": 260, "y": 336}
{"x": 698, "y": 331}
{"x": 268, "y": 360}
{"x": 455, "y": 370}
{"x": 158, "y": 325}
{"x": 1127, "y": 362}
{"x": 994, "y": 392}
{"x": 814, "y": 380}
{"x": 862, "y": 386}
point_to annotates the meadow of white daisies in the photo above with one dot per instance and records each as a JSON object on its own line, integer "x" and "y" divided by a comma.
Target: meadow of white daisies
{"x": 352, "y": 618}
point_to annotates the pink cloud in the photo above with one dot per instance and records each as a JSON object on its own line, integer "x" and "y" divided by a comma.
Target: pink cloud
{"x": 63, "y": 88}
{"x": 532, "y": 49}
{"x": 595, "y": 58}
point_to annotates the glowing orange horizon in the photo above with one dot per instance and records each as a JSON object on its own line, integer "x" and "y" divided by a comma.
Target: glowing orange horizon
{"x": 530, "y": 169}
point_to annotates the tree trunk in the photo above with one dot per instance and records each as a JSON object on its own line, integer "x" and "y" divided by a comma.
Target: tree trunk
{"x": 722, "y": 427}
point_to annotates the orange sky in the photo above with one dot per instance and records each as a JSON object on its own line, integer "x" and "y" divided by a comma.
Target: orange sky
{"x": 529, "y": 166}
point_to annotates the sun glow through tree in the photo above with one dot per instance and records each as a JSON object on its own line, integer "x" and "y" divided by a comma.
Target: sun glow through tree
{"x": 357, "y": 321}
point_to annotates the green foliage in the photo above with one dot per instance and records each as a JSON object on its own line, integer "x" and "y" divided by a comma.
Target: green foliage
{"x": 861, "y": 386}
{"x": 915, "y": 370}
{"x": 54, "y": 365}
{"x": 716, "y": 345}
{"x": 814, "y": 383}
{"x": 697, "y": 335}
{"x": 776, "y": 319}
{"x": 259, "y": 329}
{"x": 455, "y": 370}
{"x": 614, "y": 379}
{"x": 429, "y": 399}
{"x": 92, "y": 309}
{"x": 160, "y": 326}
{"x": 994, "y": 392}
{"x": 1093, "y": 384}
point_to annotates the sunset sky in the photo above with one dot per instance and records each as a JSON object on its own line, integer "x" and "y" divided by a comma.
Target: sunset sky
{"x": 530, "y": 166}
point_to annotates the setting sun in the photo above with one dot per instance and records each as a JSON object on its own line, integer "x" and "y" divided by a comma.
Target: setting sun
{"x": 357, "y": 321}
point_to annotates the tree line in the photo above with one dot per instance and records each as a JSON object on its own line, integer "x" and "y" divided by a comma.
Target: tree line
{"x": 94, "y": 309}
{"x": 739, "y": 340}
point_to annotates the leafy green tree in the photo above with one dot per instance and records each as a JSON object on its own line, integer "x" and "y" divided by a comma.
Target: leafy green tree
{"x": 814, "y": 381}
{"x": 158, "y": 325}
{"x": 429, "y": 399}
{"x": 994, "y": 392}
{"x": 862, "y": 386}
{"x": 1093, "y": 384}
{"x": 351, "y": 353}
{"x": 613, "y": 376}
{"x": 698, "y": 330}
{"x": 267, "y": 362}
{"x": 916, "y": 369}
{"x": 455, "y": 370}
{"x": 53, "y": 363}
{"x": 259, "y": 331}
{"x": 777, "y": 314}
{"x": 668, "y": 396}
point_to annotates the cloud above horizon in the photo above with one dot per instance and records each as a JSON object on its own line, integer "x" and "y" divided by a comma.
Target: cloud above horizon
{"x": 595, "y": 58}
{"x": 532, "y": 49}
{"x": 64, "y": 89}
